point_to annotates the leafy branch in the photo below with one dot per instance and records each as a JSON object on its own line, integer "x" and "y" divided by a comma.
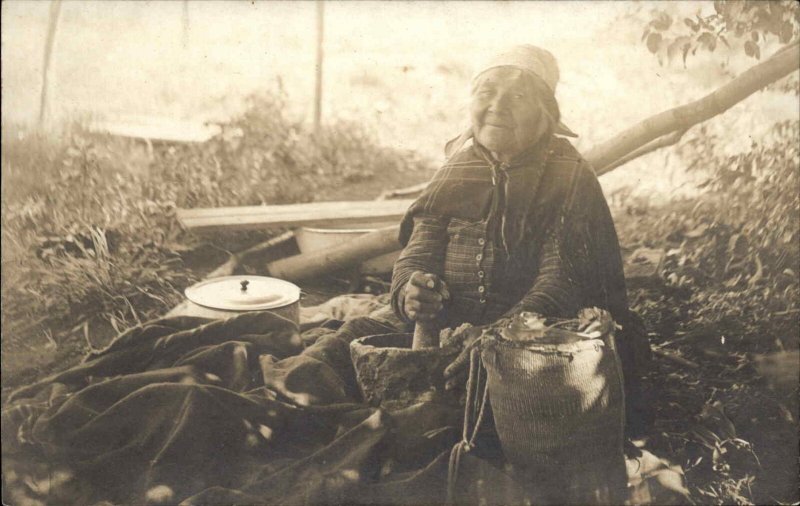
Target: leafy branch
{"x": 752, "y": 22}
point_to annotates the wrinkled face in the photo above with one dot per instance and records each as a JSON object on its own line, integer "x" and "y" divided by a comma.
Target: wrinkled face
{"x": 507, "y": 115}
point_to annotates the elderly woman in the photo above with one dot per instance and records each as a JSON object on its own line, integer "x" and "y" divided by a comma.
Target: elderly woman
{"x": 515, "y": 220}
{"x": 243, "y": 410}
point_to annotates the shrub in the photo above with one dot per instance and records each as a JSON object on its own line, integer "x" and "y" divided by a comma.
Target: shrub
{"x": 734, "y": 249}
{"x": 89, "y": 230}
{"x": 739, "y": 245}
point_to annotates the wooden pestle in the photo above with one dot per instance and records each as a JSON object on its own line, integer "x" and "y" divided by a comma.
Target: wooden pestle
{"x": 426, "y": 335}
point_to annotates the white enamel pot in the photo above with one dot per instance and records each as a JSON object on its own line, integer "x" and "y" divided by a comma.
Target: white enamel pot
{"x": 229, "y": 296}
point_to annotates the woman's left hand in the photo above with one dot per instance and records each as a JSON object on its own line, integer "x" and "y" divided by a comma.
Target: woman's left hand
{"x": 455, "y": 373}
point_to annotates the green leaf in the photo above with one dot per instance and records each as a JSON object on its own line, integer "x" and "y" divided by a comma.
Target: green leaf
{"x": 787, "y": 30}
{"x": 686, "y": 49}
{"x": 662, "y": 21}
{"x": 734, "y": 9}
{"x": 654, "y": 42}
{"x": 708, "y": 41}
{"x": 750, "y": 48}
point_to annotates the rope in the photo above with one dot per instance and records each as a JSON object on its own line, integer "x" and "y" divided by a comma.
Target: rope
{"x": 467, "y": 442}
{"x": 475, "y": 406}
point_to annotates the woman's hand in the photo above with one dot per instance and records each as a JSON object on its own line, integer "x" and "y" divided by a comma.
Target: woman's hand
{"x": 423, "y": 296}
{"x": 456, "y": 373}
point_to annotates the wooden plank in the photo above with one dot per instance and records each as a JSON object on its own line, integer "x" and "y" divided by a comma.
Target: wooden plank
{"x": 156, "y": 129}
{"x": 314, "y": 214}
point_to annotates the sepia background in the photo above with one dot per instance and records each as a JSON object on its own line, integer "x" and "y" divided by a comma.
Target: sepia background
{"x": 91, "y": 244}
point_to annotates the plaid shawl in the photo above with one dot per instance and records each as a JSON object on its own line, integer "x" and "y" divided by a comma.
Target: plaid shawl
{"x": 544, "y": 191}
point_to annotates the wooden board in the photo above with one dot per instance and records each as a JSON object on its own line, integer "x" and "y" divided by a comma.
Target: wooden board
{"x": 314, "y": 214}
{"x": 156, "y": 129}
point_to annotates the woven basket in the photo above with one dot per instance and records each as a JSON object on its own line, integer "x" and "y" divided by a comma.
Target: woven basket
{"x": 559, "y": 413}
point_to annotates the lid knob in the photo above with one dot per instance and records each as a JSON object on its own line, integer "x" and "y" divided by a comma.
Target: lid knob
{"x": 244, "y": 284}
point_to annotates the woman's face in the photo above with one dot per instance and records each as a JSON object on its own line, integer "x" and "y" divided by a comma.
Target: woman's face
{"x": 507, "y": 115}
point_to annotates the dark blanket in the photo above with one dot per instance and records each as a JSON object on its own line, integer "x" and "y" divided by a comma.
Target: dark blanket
{"x": 241, "y": 411}
{"x": 244, "y": 410}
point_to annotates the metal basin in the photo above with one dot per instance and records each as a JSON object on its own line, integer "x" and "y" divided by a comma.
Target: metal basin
{"x": 314, "y": 239}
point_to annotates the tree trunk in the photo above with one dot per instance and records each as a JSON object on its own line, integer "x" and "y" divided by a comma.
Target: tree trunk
{"x": 52, "y": 24}
{"x": 185, "y": 25}
{"x": 318, "y": 66}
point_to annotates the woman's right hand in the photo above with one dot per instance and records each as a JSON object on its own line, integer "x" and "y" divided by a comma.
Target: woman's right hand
{"x": 423, "y": 296}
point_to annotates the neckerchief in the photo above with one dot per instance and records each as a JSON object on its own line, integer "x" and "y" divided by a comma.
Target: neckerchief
{"x": 510, "y": 203}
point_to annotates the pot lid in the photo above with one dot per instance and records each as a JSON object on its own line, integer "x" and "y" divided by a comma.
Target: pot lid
{"x": 243, "y": 293}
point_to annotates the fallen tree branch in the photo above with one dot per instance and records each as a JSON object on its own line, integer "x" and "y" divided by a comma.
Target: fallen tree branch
{"x": 661, "y": 142}
{"x": 236, "y": 259}
{"x": 676, "y": 359}
{"x": 317, "y": 263}
{"x": 781, "y": 64}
